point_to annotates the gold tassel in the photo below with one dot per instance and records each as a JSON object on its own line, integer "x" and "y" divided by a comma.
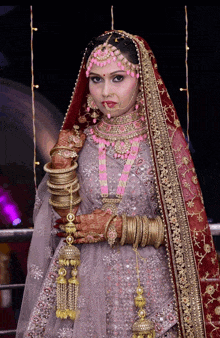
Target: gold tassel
{"x": 67, "y": 293}
{"x": 143, "y": 327}
{"x": 73, "y": 288}
{"x": 61, "y": 294}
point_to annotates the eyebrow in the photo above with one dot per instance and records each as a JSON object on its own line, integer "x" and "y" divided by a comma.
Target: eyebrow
{"x": 117, "y": 71}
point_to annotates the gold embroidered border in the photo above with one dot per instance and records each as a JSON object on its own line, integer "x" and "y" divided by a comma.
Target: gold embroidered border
{"x": 173, "y": 208}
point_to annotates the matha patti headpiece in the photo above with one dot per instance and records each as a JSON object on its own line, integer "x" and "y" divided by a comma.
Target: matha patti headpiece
{"x": 106, "y": 53}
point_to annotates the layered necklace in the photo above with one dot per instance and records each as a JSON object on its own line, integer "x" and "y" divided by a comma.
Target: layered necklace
{"x": 123, "y": 134}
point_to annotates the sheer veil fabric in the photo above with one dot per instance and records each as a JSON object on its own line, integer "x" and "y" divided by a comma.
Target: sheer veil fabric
{"x": 192, "y": 263}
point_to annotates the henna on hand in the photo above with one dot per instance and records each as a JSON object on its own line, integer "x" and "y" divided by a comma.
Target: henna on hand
{"x": 66, "y": 139}
{"x": 91, "y": 227}
{"x": 94, "y": 225}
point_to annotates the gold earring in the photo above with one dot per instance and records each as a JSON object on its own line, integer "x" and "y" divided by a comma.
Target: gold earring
{"x": 139, "y": 100}
{"x": 92, "y": 105}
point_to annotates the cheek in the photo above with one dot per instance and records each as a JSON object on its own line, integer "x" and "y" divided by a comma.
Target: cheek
{"x": 93, "y": 90}
{"x": 129, "y": 91}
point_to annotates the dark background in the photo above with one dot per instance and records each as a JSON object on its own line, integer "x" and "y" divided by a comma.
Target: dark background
{"x": 64, "y": 31}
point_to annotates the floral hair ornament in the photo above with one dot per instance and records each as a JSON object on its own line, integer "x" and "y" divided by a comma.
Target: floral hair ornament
{"x": 106, "y": 53}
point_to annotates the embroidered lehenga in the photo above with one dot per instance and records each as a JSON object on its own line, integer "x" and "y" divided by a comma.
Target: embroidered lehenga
{"x": 180, "y": 279}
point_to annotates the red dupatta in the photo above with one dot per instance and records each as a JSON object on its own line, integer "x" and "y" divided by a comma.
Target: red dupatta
{"x": 192, "y": 258}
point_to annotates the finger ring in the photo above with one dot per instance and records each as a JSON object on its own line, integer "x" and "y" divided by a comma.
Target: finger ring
{"x": 76, "y": 234}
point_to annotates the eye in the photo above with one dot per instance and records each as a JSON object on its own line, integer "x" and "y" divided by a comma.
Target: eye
{"x": 96, "y": 79}
{"x": 118, "y": 78}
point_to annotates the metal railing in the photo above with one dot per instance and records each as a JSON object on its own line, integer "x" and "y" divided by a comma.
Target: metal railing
{"x": 23, "y": 235}
{"x": 15, "y": 235}
{"x": 7, "y": 236}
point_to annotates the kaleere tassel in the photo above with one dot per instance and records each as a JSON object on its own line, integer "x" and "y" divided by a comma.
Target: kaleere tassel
{"x": 61, "y": 311}
{"x": 143, "y": 327}
{"x": 67, "y": 292}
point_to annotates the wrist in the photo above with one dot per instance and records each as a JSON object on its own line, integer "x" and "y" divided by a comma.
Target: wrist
{"x": 118, "y": 225}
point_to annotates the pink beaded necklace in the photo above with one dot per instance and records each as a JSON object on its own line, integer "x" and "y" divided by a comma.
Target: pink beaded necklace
{"x": 125, "y": 145}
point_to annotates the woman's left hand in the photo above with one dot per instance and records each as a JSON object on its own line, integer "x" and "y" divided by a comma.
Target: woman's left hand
{"x": 91, "y": 227}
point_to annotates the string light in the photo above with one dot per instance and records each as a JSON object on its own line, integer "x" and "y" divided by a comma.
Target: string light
{"x": 33, "y": 86}
{"x": 112, "y": 16}
{"x": 187, "y": 72}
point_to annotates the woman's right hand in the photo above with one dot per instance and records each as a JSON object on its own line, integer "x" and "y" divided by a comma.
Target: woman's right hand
{"x": 67, "y": 138}
{"x": 74, "y": 141}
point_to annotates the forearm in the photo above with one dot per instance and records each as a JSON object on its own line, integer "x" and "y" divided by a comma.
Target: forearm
{"x": 139, "y": 230}
{"x": 64, "y": 188}
{"x": 101, "y": 225}
{"x": 63, "y": 182}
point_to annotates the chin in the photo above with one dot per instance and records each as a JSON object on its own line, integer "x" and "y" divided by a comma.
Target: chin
{"x": 113, "y": 114}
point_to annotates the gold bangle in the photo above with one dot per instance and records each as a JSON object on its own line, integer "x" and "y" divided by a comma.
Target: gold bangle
{"x": 62, "y": 186}
{"x": 48, "y": 169}
{"x": 58, "y": 148}
{"x": 141, "y": 231}
{"x": 60, "y": 198}
{"x": 65, "y": 152}
{"x": 131, "y": 230}
{"x": 66, "y": 174}
{"x": 62, "y": 182}
{"x": 107, "y": 225}
{"x": 138, "y": 232}
{"x": 60, "y": 179}
{"x": 145, "y": 236}
{"x": 65, "y": 191}
{"x": 64, "y": 205}
{"x": 124, "y": 229}
{"x": 134, "y": 232}
{"x": 58, "y": 192}
{"x": 150, "y": 235}
{"x": 153, "y": 231}
{"x": 160, "y": 237}
{"x": 74, "y": 193}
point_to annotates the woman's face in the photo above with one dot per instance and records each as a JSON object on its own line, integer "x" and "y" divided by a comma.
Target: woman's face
{"x": 113, "y": 90}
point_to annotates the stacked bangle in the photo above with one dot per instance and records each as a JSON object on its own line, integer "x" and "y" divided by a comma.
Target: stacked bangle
{"x": 145, "y": 235}
{"x": 142, "y": 231}
{"x": 47, "y": 168}
{"x": 60, "y": 183}
{"x": 138, "y": 232}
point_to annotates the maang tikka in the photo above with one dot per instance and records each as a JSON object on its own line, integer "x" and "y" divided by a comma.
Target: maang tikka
{"x": 106, "y": 53}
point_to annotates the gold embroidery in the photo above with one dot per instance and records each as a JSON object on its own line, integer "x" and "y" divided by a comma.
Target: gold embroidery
{"x": 195, "y": 180}
{"x": 177, "y": 123}
{"x": 190, "y": 204}
{"x": 217, "y": 310}
{"x": 210, "y": 289}
{"x": 200, "y": 218}
{"x": 185, "y": 160}
{"x": 191, "y": 313}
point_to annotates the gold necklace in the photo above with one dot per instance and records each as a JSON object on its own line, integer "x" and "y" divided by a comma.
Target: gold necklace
{"x": 121, "y": 128}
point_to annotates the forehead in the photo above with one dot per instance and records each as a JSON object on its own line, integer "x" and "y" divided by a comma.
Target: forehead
{"x": 107, "y": 70}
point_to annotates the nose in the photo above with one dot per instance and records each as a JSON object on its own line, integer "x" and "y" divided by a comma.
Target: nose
{"x": 106, "y": 91}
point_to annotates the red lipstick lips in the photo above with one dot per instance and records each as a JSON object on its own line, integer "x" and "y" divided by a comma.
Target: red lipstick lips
{"x": 110, "y": 104}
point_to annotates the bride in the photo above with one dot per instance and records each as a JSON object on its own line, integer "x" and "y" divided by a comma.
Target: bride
{"x": 141, "y": 227}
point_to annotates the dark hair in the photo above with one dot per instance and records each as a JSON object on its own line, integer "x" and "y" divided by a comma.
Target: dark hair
{"x": 124, "y": 44}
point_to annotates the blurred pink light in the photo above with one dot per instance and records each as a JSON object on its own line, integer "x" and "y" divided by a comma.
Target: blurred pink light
{"x": 8, "y": 209}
